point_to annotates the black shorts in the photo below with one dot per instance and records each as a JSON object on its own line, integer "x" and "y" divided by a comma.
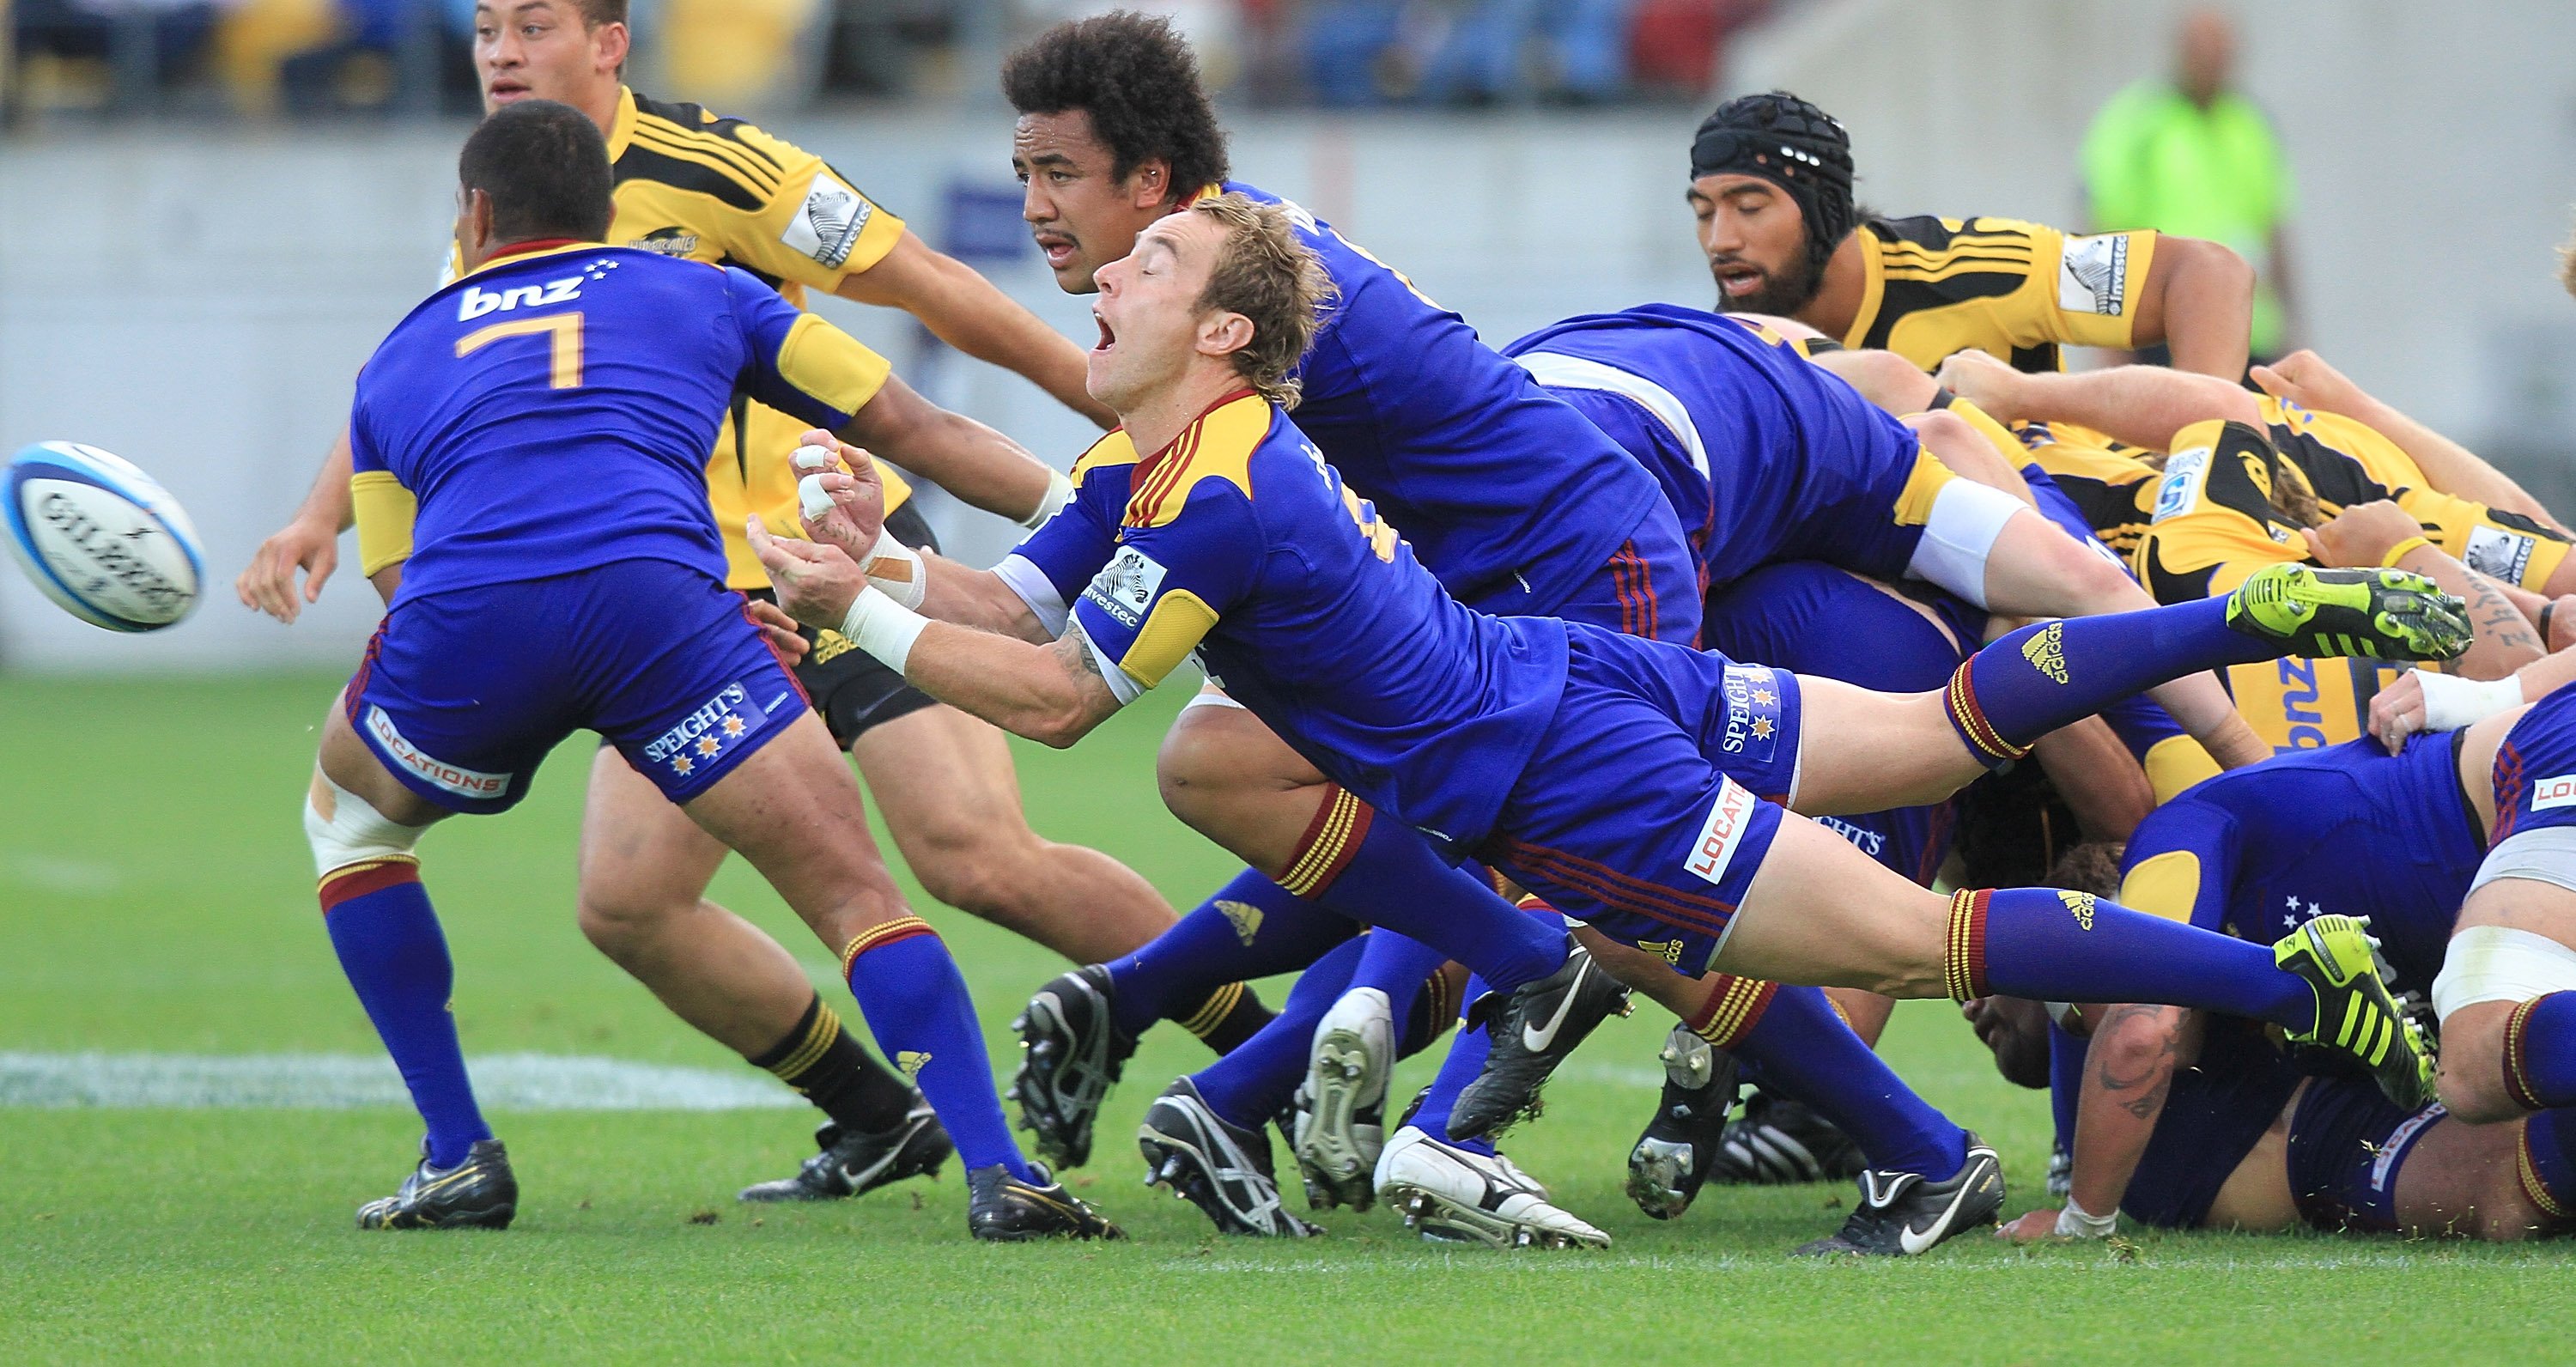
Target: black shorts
{"x": 851, "y": 688}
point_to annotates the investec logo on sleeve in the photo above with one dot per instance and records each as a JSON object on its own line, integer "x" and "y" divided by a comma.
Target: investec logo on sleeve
{"x": 1126, "y": 586}
{"x": 2554, "y": 792}
{"x": 1728, "y": 818}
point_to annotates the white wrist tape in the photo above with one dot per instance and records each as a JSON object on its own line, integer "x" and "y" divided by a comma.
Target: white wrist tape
{"x": 1059, "y": 492}
{"x": 883, "y": 627}
{"x": 2075, "y": 1222}
{"x": 2451, "y": 702}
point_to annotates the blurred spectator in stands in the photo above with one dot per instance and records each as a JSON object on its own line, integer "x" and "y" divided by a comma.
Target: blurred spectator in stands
{"x": 412, "y": 54}
{"x": 1583, "y": 47}
{"x": 128, "y": 46}
{"x": 2191, "y": 156}
{"x": 1350, "y": 45}
{"x": 1676, "y": 48}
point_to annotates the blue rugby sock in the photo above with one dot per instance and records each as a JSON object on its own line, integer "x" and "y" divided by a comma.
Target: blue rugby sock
{"x": 390, "y": 945}
{"x": 1397, "y": 965}
{"x": 2037, "y": 679}
{"x": 2548, "y": 1167}
{"x": 916, "y": 1005}
{"x": 2540, "y": 1052}
{"x": 1468, "y": 1050}
{"x": 1801, "y": 1047}
{"x": 1250, "y": 928}
{"x": 1250, "y": 1085}
{"x": 2049, "y": 945}
{"x": 2066, "y": 1052}
{"x": 1384, "y": 873}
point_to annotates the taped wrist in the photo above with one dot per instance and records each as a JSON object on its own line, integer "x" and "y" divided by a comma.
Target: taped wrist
{"x": 882, "y": 627}
{"x": 2451, "y": 702}
{"x": 1059, "y": 492}
{"x": 2075, "y": 1222}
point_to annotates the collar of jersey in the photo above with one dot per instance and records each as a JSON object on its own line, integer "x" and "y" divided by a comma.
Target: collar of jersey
{"x": 1145, "y": 469}
{"x": 1873, "y": 287}
{"x": 1208, "y": 191}
{"x": 532, "y": 249}
{"x": 621, "y": 129}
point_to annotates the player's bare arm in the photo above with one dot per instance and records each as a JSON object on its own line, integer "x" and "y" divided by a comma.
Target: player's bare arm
{"x": 2137, "y": 404}
{"x": 310, "y": 541}
{"x": 2304, "y": 378}
{"x": 970, "y": 313}
{"x": 2370, "y": 534}
{"x": 957, "y": 453}
{"x": 2128, "y": 1073}
{"x": 2199, "y": 301}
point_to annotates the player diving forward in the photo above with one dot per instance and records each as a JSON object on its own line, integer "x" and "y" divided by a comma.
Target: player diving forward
{"x": 507, "y": 402}
{"x": 693, "y": 185}
{"x": 1584, "y": 764}
{"x": 1512, "y": 500}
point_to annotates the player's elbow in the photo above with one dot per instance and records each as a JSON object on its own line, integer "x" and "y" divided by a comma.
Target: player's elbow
{"x": 2201, "y": 274}
{"x": 1058, "y": 723}
{"x": 2133, "y": 1044}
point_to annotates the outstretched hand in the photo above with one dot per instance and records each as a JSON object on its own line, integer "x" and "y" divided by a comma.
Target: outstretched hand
{"x": 2031, "y": 1228}
{"x": 815, "y": 583}
{"x": 841, "y": 495}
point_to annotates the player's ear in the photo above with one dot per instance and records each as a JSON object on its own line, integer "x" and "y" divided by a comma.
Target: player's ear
{"x": 1223, "y": 333}
{"x": 1150, "y": 184}
{"x": 612, "y": 41}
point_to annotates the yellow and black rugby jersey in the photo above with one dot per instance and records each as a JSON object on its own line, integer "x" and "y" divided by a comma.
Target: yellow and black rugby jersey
{"x": 693, "y": 184}
{"x": 1934, "y": 286}
{"x": 2213, "y": 525}
{"x": 2348, "y": 461}
{"x": 2111, "y": 483}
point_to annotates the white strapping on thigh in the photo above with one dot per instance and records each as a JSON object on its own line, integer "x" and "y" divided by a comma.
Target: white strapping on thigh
{"x": 1211, "y": 697}
{"x": 1959, "y": 533}
{"x": 354, "y": 833}
{"x": 2500, "y": 964}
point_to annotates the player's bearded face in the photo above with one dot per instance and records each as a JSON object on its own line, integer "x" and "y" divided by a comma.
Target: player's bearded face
{"x": 1756, "y": 243}
{"x": 1148, "y": 314}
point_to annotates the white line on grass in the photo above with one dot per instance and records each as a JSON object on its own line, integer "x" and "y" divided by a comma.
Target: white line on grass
{"x": 510, "y": 1082}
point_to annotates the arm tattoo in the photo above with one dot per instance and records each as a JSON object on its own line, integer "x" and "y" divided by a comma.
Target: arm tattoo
{"x": 2497, "y": 618}
{"x": 2155, "y": 1080}
{"x": 1074, "y": 649}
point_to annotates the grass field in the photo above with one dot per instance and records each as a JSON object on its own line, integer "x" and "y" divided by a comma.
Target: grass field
{"x": 155, "y": 898}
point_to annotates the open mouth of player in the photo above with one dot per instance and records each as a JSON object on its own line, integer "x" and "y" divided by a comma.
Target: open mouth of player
{"x": 1738, "y": 281}
{"x": 1058, "y": 250}
{"x": 504, "y": 89}
{"x": 1108, "y": 335}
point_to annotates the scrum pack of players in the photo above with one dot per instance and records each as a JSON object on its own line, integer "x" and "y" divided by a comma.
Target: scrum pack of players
{"x": 1483, "y": 716}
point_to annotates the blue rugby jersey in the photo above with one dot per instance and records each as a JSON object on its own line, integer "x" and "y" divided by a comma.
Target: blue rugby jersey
{"x": 2349, "y": 828}
{"x": 1239, "y": 542}
{"x": 1508, "y": 495}
{"x": 552, "y": 410}
{"x": 1768, "y": 445}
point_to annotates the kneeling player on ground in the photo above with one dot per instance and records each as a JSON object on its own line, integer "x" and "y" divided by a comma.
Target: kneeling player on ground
{"x": 1584, "y": 764}
{"x": 458, "y": 700}
{"x": 2191, "y": 1121}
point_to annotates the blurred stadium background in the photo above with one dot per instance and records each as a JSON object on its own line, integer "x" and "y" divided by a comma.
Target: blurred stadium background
{"x": 211, "y": 209}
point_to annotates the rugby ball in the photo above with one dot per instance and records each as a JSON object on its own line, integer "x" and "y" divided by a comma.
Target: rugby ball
{"x": 100, "y": 537}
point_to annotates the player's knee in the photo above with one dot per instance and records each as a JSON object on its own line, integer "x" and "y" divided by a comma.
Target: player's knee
{"x": 344, "y": 829}
{"x": 618, "y": 919}
{"x": 990, "y": 869}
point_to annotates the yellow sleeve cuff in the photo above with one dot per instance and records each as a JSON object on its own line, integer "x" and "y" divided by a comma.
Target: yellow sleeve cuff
{"x": 386, "y": 511}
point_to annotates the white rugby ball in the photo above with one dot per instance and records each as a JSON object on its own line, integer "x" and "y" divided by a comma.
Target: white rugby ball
{"x": 100, "y": 537}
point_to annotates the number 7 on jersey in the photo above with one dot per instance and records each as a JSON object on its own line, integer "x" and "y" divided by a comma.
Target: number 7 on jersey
{"x": 566, "y": 329}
